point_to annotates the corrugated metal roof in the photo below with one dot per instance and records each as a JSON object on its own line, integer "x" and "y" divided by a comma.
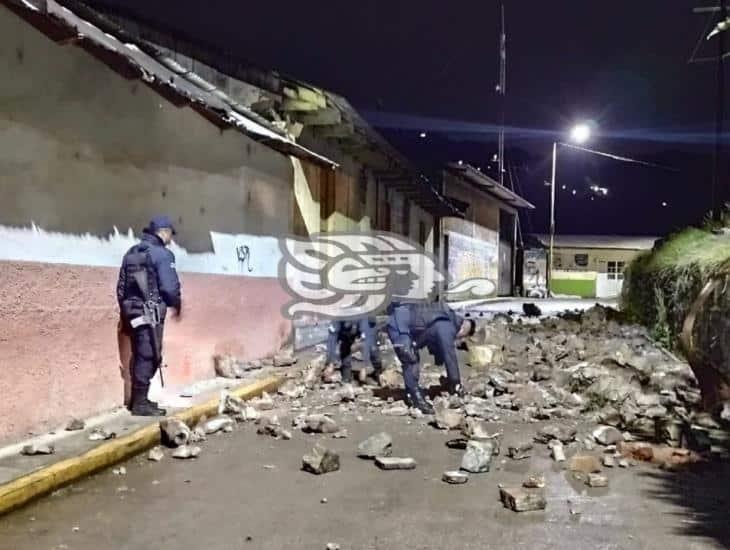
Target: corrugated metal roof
{"x": 617, "y": 242}
{"x": 165, "y": 74}
{"x": 488, "y": 185}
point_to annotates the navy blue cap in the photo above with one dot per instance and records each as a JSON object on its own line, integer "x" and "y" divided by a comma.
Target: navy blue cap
{"x": 161, "y": 222}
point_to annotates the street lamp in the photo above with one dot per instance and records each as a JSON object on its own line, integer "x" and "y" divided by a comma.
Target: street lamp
{"x": 580, "y": 133}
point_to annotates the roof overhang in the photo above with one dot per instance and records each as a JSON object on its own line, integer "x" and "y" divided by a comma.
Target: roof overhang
{"x": 173, "y": 82}
{"x": 488, "y": 185}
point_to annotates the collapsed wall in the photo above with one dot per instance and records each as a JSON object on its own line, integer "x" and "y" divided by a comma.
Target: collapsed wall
{"x": 679, "y": 291}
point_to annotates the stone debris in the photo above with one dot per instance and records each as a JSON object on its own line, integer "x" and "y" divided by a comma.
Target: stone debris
{"x": 481, "y": 356}
{"x": 174, "y": 432}
{"x": 347, "y": 393}
{"x": 341, "y": 434}
{"x": 292, "y": 390}
{"x": 557, "y": 452}
{"x": 219, "y": 423}
{"x": 156, "y": 454}
{"x": 564, "y": 434}
{"x": 395, "y": 463}
{"x": 75, "y": 425}
{"x": 596, "y": 480}
{"x": 263, "y": 403}
{"x": 274, "y": 430}
{"x": 519, "y": 499}
{"x": 321, "y": 460}
{"x": 390, "y": 378}
{"x": 608, "y": 461}
{"x": 455, "y": 477}
{"x": 230, "y": 404}
{"x": 607, "y": 435}
{"x": 586, "y": 464}
{"x": 38, "y": 449}
{"x": 186, "y": 451}
{"x": 623, "y": 463}
{"x": 520, "y": 451}
{"x": 101, "y": 434}
{"x": 284, "y": 360}
{"x": 395, "y": 410}
{"x": 228, "y": 366}
{"x": 478, "y": 457}
{"x": 121, "y": 471}
{"x": 477, "y": 430}
{"x": 446, "y": 418}
{"x": 380, "y": 444}
{"x": 320, "y": 423}
{"x": 332, "y": 546}
{"x": 534, "y": 482}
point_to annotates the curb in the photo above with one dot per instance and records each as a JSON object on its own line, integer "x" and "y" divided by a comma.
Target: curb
{"x": 24, "y": 489}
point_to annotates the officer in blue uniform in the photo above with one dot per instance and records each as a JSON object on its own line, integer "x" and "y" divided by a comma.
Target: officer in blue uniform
{"x": 346, "y": 333}
{"x": 148, "y": 284}
{"x": 435, "y": 326}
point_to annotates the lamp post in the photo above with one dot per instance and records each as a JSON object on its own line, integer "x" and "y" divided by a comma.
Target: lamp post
{"x": 579, "y": 134}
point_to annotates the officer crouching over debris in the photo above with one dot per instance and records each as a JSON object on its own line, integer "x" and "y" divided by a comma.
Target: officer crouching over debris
{"x": 148, "y": 284}
{"x": 435, "y": 326}
{"x": 347, "y": 334}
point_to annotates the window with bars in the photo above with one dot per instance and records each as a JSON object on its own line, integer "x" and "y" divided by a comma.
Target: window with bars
{"x": 616, "y": 271}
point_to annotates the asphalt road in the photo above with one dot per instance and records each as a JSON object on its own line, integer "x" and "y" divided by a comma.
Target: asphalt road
{"x": 247, "y": 491}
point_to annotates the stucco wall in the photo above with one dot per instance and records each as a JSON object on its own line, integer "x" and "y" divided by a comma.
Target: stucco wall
{"x": 84, "y": 152}
{"x": 598, "y": 258}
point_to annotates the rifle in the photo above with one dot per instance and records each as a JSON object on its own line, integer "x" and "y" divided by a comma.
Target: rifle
{"x": 151, "y": 317}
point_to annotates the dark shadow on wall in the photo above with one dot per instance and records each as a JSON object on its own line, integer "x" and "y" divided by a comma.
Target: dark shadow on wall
{"x": 702, "y": 492}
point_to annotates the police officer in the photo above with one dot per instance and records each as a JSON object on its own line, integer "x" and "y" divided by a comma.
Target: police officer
{"x": 435, "y": 326}
{"x": 346, "y": 333}
{"x": 148, "y": 284}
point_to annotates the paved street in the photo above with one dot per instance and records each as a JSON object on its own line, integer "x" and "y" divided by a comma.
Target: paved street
{"x": 247, "y": 491}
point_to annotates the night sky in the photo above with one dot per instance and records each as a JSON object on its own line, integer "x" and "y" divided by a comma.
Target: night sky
{"x": 430, "y": 65}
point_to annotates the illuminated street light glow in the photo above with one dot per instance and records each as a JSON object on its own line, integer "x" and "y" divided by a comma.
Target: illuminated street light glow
{"x": 422, "y": 135}
{"x": 580, "y": 133}
{"x": 664, "y": 204}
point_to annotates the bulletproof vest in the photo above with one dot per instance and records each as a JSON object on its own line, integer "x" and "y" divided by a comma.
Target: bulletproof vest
{"x": 349, "y": 329}
{"x": 136, "y": 260}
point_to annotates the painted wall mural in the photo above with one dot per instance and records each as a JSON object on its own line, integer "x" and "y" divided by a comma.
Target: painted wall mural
{"x": 471, "y": 258}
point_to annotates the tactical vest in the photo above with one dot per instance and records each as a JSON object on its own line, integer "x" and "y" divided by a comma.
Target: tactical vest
{"x": 138, "y": 260}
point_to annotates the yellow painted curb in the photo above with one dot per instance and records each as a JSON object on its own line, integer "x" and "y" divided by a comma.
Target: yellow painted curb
{"x": 22, "y": 490}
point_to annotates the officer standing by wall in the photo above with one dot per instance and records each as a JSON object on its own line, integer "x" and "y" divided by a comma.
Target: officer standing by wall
{"x": 435, "y": 326}
{"x": 148, "y": 284}
{"x": 346, "y": 333}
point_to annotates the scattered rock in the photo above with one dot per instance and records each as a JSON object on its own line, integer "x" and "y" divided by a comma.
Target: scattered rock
{"x": 38, "y": 449}
{"x": 293, "y": 390}
{"x": 623, "y": 463}
{"x": 476, "y": 430}
{"x": 156, "y": 454}
{"x": 230, "y": 404}
{"x": 341, "y": 434}
{"x": 519, "y": 499}
{"x": 455, "y": 477}
{"x": 395, "y": 463}
{"x": 520, "y": 451}
{"x": 596, "y": 480}
{"x": 607, "y": 435}
{"x": 121, "y": 471}
{"x": 534, "y": 482}
{"x": 390, "y": 378}
{"x": 347, "y": 393}
{"x": 75, "y": 425}
{"x": 481, "y": 356}
{"x": 186, "y": 451}
{"x": 174, "y": 432}
{"x": 531, "y": 310}
{"x": 608, "y": 461}
{"x": 395, "y": 410}
{"x": 217, "y": 424}
{"x": 586, "y": 464}
{"x": 263, "y": 403}
{"x": 284, "y": 360}
{"x": 320, "y": 423}
{"x": 446, "y": 418}
{"x": 332, "y": 546}
{"x": 557, "y": 452}
{"x": 478, "y": 456}
{"x": 227, "y": 366}
{"x": 564, "y": 434}
{"x": 321, "y": 461}
{"x": 274, "y": 430}
{"x": 101, "y": 434}
{"x": 380, "y": 444}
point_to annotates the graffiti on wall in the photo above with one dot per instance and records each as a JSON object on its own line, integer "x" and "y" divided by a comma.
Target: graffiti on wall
{"x": 472, "y": 260}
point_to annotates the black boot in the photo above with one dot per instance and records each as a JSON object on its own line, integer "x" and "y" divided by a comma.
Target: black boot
{"x": 419, "y": 402}
{"x": 141, "y": 406}
{"x": 455, "y": 388}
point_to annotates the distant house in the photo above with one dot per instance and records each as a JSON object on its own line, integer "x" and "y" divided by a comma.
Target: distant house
{"x": 591, "y": 266}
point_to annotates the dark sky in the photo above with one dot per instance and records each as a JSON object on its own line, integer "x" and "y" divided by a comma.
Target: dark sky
{"x": 622, "y": 63}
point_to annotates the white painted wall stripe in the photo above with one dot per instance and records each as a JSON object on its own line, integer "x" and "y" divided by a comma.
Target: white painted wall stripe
{"x": 33, "y": 244}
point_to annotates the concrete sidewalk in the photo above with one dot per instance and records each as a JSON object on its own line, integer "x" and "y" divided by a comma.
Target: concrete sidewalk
{"x": 23, "y": 478}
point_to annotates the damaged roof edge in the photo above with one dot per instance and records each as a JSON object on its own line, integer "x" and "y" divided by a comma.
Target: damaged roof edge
{"x": 154, "y": 72}
{"x": 488, "y": 185}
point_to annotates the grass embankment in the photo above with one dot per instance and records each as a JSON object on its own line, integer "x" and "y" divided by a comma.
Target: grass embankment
{"x": 662, "y": 284}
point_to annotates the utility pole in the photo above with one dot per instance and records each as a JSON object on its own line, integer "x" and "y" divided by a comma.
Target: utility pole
{"x": 718, "y": 191}
{"x": 502, "y": 88}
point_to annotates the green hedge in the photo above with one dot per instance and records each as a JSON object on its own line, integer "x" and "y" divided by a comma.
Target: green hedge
{"x": 661, "y": 285}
